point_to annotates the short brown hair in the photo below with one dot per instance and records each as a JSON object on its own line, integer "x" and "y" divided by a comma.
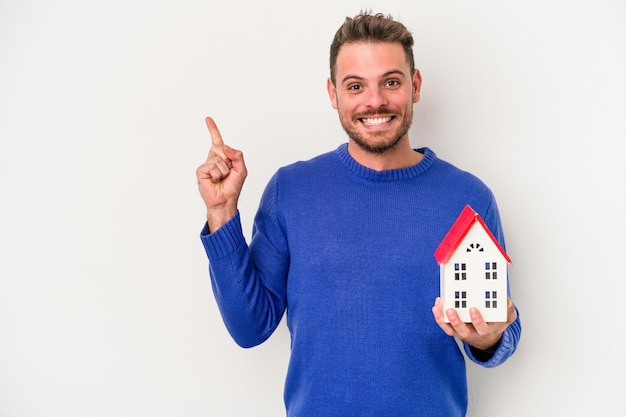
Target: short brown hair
{"x": 367, "y": 27}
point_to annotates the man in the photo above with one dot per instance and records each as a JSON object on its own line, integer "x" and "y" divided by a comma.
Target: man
{"x": 344, "y": 243}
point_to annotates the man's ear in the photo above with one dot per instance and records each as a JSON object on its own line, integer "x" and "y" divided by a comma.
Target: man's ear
{"x": 417, "y": 85}
{"x": 332, "y": 92}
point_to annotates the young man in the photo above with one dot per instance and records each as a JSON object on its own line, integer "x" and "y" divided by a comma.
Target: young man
{"x": 344, "y": 243}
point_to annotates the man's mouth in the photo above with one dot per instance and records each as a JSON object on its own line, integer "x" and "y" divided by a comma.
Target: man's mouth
{"x": 375, "y": 121}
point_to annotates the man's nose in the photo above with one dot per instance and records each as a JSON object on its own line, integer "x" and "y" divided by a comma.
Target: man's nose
{"x": 376, "y": 97}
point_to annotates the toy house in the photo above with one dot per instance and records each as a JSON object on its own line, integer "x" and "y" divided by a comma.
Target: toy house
{"x": 473, "y": 269}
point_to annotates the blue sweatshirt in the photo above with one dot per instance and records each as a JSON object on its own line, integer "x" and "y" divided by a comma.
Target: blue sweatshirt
{"x": 347, "y": 253}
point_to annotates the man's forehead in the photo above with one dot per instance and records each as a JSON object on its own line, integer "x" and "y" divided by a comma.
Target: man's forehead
{"x": 371, "y": 59}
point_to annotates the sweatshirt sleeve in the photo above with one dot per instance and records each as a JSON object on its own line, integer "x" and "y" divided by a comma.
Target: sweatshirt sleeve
{"x": 506, "y": 348}
{"x": 249, "y": 282}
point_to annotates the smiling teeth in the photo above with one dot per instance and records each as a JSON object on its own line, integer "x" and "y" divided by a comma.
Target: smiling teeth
{"x": 377, "y": 121}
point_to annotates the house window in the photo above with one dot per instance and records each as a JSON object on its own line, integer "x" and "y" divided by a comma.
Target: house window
{"x": 460, "y": 273}
{"x": 491, "y": 299}
{"x": 491, "y": 270}
{"x": 475, "y": 246}
{"x": 460, "y": 299}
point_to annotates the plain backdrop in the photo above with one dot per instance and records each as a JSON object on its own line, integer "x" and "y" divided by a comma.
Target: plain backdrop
{"x": 105, "y": 303}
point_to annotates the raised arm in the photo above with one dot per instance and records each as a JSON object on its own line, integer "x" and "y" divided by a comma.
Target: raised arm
{"x": 220, "y": 179}
{"x": 250, "y": 293}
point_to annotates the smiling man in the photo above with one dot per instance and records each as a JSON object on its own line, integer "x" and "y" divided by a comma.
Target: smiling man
{"x": 344, "y": 244}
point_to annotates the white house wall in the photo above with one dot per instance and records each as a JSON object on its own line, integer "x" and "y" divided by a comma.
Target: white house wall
{"x": 475, "y": 285}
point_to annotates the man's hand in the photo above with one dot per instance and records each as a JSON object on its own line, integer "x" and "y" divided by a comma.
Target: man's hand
{"x": 478, "y": 333}
{"x": 220, "y": 179}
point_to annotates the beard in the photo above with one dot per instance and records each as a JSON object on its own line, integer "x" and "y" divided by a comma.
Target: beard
{"x": 375, "y": 142}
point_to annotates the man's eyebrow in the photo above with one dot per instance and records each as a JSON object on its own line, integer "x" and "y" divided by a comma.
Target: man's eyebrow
{"x": 387, "y": 74}
{"x": 351, "y": 77}
{"x": 394, "y": 72}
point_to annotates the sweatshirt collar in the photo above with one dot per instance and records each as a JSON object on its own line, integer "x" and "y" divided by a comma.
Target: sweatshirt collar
{"x": 389, "y": 175}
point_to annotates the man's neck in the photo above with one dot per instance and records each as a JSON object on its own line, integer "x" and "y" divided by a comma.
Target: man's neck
{"x": 401, "y": 156}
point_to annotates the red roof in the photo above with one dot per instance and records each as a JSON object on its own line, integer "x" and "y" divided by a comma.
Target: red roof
{"x": 457, "y": 232}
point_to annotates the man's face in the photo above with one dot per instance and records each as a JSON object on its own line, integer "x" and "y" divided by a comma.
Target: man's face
{"x": 374, "y": 94}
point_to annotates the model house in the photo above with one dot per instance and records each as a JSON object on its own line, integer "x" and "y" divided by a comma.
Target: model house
{"x": 473, "y": 269}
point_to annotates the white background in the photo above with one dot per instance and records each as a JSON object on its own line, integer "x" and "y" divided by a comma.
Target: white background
{"x": 105, "y": 303}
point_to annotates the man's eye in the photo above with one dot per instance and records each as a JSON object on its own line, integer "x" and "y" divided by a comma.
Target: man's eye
{"x": 354, "y": 87}
{"x": 393, "y": 83}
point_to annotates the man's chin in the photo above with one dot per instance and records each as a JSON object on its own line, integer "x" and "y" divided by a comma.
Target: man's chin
{"x": 375, "y": 146}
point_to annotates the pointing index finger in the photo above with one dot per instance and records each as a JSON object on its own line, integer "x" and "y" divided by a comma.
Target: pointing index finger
{"x": 216, "y": 137}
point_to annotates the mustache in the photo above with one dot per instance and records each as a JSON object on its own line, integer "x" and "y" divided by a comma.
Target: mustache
{"x": 375, "y": 112}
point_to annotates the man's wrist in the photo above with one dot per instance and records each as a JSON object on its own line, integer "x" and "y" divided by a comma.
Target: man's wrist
{"x": 217, "y": 218}
{"x": 483, "y": 355}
